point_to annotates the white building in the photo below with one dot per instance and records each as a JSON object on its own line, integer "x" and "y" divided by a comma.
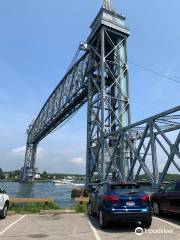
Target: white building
{"x": 37, "y": 176}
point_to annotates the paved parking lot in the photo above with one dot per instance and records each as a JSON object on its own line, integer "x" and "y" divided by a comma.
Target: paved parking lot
{"x": 80, "y": 227}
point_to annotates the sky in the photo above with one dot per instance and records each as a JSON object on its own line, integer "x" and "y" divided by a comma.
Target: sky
{"x": 38, "y": 40}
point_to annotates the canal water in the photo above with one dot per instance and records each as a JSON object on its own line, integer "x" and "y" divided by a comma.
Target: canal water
{"x": 61, "y": 194}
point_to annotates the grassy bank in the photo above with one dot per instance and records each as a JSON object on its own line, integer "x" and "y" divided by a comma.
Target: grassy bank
{"x": 25, "y": 208}
{"x": 29, "y": 208}
{"x": 80, "y": 208}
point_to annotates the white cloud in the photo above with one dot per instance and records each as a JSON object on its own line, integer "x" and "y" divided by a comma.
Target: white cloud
{"x": 78, "y": 161}
{"x": 47, "y": 159}
{"x": 19, "y": 151}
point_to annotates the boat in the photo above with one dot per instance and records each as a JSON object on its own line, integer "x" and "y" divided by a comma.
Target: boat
{"x": 62, "y": 182}
{"x": 57, "y": 182}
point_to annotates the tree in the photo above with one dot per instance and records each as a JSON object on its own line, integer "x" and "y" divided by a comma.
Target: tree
{"x": 1, "y": 174}
{"x": 44, "y": 175}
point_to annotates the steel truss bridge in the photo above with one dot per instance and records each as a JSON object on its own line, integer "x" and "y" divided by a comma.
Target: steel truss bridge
{"x": 116, "y": 149}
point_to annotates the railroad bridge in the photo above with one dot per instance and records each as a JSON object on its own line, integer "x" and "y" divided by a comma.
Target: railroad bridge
{"x": 98, "y": 76}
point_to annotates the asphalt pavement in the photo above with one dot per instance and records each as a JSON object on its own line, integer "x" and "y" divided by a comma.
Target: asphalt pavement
{"x": 81, "y": 227}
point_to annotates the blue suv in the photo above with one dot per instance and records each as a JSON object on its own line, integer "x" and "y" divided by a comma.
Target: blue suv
{"x": 120, "y": 202}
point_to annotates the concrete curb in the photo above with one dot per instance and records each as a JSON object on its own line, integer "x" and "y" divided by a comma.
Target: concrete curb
{"x": 57, "y": 212}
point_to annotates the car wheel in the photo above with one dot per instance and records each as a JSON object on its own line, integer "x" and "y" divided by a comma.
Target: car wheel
{"x": 156, "y": 208}
{"x": 146, "y": 223}
{"x": 4, "y": 212}
{"x": 102, "y": 220}
{"x": 89, "y": 207}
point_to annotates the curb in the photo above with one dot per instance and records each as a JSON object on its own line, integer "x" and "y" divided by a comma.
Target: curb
{"x": 57, "y": 212}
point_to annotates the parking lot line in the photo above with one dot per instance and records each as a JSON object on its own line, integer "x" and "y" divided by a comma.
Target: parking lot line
{"x": 94, "y": 231}
{"x": 172, "y": 224}
{"x": 12, "y": 224}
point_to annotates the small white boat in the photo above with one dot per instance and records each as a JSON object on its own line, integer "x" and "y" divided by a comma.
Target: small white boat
{"x": 62, "y": 182}
{"x": 66, "y": 181}
{"x": 57, "y": 182}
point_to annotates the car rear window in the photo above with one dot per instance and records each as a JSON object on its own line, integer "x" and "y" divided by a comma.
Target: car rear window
{"x": 124, "y": 189}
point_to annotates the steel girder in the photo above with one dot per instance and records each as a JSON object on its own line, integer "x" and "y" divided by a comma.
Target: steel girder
{"x": 68, "y": 97}
{"x": 159, "y": 133}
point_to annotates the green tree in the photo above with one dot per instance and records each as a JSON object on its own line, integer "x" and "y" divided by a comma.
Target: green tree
{"x": 1, "y": 174}
{"x": 44, "y": 175}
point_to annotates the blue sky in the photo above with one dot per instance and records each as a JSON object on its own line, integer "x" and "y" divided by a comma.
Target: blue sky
{"x": 38, "y": 41}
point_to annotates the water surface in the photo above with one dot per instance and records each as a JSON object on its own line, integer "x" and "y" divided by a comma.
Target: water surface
{"x": 61, "y": 194}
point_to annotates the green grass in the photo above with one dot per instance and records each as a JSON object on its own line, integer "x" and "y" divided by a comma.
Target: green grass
{"x": 80, "y": 208}
{"x": 28, "y": 208}
{"x": 25, "y": 208}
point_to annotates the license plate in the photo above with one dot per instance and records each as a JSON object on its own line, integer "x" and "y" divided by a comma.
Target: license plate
{"x": 130, "y": 203}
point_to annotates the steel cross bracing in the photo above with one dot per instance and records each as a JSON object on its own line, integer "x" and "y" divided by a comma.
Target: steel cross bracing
{"x": 151, "y": 143}
{"x": 108, "y": 102}
{"x": 68, "y": 96}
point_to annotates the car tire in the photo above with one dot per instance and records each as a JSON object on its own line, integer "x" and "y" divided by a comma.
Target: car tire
{"x": 4, "y": 211}
{"x": 146, "y": 223}
{"x": 156, "y": 208}
{"x": 89, "y": 209}
{"x": 102, "y": 220}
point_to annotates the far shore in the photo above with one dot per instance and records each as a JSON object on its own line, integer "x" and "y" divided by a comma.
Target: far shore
{"x": 35, "y": 181}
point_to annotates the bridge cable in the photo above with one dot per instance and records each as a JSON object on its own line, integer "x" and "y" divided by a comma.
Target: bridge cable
{"x": 149, "y": 69}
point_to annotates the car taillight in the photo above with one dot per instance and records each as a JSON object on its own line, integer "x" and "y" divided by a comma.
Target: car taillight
{"x": 145, "y": 198}
{"x": 110, "y": 198}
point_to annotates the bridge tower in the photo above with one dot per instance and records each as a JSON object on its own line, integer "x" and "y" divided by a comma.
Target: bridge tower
{"x": 108, "y": 96}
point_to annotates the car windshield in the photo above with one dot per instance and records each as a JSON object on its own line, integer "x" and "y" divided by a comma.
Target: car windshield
{"x": 124, "y": 189}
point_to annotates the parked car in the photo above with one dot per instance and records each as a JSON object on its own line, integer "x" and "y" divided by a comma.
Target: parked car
{"x": 167, "y": 200}
{"x": 4, "y": 203}
{"x": 120, "y": 202}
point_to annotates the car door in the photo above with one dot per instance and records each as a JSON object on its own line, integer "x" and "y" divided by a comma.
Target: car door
{"x": 167, "y": 197}
{"x": 175, "y": 200}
